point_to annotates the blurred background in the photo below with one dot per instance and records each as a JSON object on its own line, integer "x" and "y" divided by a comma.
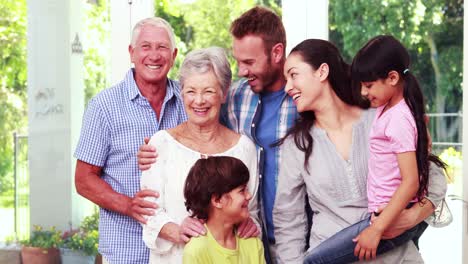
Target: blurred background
{"x": 432, "y": 30}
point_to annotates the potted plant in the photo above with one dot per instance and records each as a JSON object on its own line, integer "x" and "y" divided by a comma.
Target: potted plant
{"x": 42, "y": 247}
{"x": 81, "y": 245}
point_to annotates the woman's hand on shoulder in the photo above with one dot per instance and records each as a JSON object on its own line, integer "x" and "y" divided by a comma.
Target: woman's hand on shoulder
{"x": 191, "y": 227}
{"x": 248, "y": 228}
{"x": 146, "y": 155}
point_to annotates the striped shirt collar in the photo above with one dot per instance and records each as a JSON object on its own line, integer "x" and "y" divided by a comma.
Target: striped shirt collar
{"x": 133, "y": 90}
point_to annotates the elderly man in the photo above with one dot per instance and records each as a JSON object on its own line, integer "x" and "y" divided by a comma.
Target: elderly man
{"x": 114, "y": 124}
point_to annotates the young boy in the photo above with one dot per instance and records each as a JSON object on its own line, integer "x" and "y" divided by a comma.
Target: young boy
{"x": 216, "y": 191}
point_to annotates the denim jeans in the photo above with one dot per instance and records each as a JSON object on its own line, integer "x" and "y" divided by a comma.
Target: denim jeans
{"x": 340, "y": 248}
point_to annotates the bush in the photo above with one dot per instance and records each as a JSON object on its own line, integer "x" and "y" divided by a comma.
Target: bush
{"x": 91, "y": 222}
{"x": 84, "y": 241}
{"x": 86, "y": 238}
{"x": 44, "y": 238}
{"x": 454, "y": 160}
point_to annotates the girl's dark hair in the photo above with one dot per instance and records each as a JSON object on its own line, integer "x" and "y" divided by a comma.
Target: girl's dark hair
{"x": 315, "y": 52}
{"x": 374, "y": 61}
{"x": 212, "y": 176}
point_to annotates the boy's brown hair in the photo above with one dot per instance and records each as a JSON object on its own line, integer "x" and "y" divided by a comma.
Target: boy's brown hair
{"x": 212, "y": 176}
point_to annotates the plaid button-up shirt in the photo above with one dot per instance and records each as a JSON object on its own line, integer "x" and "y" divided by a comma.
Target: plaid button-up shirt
{"x": 241, "y": 113}
{"x": 114, "y": 125}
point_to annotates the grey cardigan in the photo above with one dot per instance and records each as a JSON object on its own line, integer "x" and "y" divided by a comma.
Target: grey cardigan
{"x": 336, "y": 190}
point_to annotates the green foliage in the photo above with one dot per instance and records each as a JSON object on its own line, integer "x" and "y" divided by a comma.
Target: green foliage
{"x": 87, "y": 242}
{"x": 86, "y": 238}
{"x": 275, "y": 5}
{"x": 197, "y": 25}
{"x": 10, "y": 239}
{"x": 454, "y": 161}
{"x": 13, "y": 108}
{"x": 183, "y": 32}
{"x": 13, "y": 45}
{"x": 432, "y": 31}
{"x": 96, "y": 47}
{"x": 91, "y": 222}
{"x": 44, "y": 238}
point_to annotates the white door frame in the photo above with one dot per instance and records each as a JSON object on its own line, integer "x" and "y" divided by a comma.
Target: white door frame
{"x": 465, "y": 137}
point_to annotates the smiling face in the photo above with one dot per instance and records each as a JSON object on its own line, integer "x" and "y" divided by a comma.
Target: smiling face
{"x": 235, "y": 204}
{"x": 376, "y": 92}
{"x": 254, "y": 64}
{"x": 202, "y": 97}
{"x": 303, "y": 83}
{"x": 382, "y": 91}
{"x": 152, "y": 55}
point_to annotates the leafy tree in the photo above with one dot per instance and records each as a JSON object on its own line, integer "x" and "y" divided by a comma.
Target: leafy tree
{"x": 430, "y": 29}
{"x": 96, "y": 46}
{"x": 13, "y": 107}
{"x": 275, "y": 5}
{"x": 183, "y": 32}
{"x": 205, "y": 23}
{"x": 212, "y": 28}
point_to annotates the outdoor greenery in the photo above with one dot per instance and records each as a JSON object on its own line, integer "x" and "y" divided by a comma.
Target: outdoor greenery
{"x": 454, "y": 161}
{"x": 432, "y": 30}
{"x": 96, "y": 47}
{"x": 51, "y": 238}
{"x": 85, "y": 238}
{"x": 197, "y": 26}
{"x": 13, "y": 103}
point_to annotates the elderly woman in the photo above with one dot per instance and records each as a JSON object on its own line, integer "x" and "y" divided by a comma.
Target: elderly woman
{"x": 205, "y": 77}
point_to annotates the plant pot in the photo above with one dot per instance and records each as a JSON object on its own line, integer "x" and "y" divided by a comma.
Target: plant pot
{"x": 35, "y": 255}
{"x": 75, "y": 257}
{"x": 98, "y": 259}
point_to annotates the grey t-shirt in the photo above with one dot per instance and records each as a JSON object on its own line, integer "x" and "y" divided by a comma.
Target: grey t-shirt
{"x": 336, "y": 191}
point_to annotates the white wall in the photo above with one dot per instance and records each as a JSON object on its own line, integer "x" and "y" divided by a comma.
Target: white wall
{"x": 55, "y": 99}
{"x": 123, "y": 17}
{"x": 465, "y": 138}
{"x": 304, "y": 19}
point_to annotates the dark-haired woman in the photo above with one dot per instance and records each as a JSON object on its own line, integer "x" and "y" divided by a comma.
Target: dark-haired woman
{"x": 398, "y": 165}
{"x": 326, "y": 159}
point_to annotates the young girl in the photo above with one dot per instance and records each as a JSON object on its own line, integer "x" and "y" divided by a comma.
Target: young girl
{"x": 398, "y": 167}
{"x": 216, "y": 191}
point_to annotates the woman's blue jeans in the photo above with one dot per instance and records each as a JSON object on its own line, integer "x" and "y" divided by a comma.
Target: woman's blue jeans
{"x": 340, "y": 247}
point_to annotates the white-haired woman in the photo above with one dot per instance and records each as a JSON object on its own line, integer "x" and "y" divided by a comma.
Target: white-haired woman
{"x": 205, "y": 76}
